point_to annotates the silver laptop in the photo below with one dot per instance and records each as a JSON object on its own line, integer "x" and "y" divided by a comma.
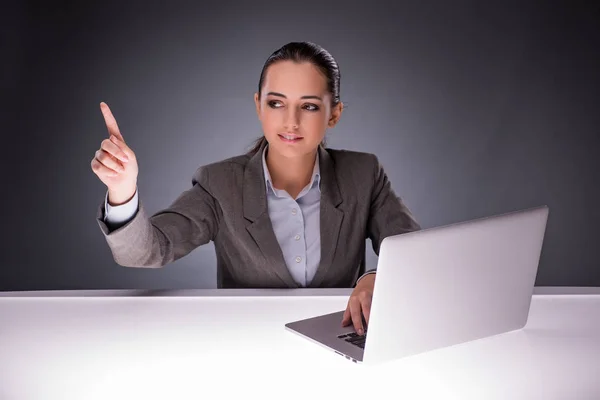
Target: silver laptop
{"x": 442, "y": 286}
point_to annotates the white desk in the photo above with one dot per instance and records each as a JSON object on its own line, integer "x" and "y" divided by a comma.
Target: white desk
{"x": 232, "y": 344}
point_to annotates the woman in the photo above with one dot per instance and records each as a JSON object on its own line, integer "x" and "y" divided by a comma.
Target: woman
{"x": 289, "y": 213}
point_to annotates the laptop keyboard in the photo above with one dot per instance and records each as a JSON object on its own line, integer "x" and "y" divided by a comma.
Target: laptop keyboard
{"x": 355, "y": 339}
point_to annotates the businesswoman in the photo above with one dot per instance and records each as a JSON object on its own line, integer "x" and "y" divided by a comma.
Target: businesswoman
{"x": 290, "y": 213}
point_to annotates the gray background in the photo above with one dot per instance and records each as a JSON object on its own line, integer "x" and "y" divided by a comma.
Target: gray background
{"x": 473, "y": 110}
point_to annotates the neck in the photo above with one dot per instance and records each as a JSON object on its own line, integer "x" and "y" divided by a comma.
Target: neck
{"x": 290, "y": 174}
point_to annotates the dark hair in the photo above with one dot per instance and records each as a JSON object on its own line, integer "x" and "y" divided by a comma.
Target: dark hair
{"x": 303, "y": 52}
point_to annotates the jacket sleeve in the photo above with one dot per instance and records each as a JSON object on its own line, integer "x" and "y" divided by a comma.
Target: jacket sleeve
{"x": 388, "y": 214}
{"x": 171, "y": 233}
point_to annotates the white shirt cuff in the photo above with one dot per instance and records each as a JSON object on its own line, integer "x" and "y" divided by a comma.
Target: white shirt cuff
{"x": 365, "y": 274}
{"x": 121, "y": 214}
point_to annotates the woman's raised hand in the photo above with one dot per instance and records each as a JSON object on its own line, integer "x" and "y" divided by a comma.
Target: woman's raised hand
{"x": 115, "y": 163}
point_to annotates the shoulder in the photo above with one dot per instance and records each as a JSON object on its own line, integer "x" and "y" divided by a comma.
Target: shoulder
{"x": 221, "y": 171}
{"x": 356, "y": 173}
{"x": 355, "y": 163}
{"x": 343, "y": 156}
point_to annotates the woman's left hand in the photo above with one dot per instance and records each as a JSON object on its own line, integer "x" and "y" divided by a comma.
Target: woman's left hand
{"x": 359, "y": 304}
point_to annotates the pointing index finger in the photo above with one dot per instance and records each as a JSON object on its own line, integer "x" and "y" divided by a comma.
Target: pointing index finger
{"x": 111, "y": 122}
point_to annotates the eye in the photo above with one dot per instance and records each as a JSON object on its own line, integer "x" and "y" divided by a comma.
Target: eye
{"x": 273, "y": 104}
{"x": 312, "y": 107}
{"x": 308, "y": 106}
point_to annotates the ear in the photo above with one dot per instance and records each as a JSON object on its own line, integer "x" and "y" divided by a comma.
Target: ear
{"x": 257, "y": 104}
{"x": 336, "y": 113}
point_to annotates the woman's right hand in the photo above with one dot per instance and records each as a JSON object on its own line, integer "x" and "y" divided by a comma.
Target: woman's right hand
{"x": 115, "y": 163}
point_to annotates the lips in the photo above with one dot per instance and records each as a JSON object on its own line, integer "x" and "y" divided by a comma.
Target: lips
{"x": 286, "y": 138}
{"x": 290, "y": 136}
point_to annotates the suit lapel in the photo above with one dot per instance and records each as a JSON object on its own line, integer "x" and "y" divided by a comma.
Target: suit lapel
{"x": 331, "y": 217}
{"x": 255, "y": 210}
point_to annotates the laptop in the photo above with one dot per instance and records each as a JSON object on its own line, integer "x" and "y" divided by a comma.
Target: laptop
{"x": 442, "y": 286}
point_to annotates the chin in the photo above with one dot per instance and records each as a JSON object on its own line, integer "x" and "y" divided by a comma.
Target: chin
{"x": 291, "y": 151}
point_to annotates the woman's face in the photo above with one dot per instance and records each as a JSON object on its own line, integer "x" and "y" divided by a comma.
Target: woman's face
{"x": 295, "y": 103}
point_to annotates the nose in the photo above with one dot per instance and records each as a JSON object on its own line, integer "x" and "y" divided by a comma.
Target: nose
{"x": 292, "y": 119}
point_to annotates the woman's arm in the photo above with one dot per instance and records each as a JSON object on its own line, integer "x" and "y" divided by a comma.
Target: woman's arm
{"x": 388, "y": 214}
{"x": 190, "y": 221}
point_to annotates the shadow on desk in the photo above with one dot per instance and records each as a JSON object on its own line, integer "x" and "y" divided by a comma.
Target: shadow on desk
{"x": 181, "y": 293}
{"x": 538, "y": 291}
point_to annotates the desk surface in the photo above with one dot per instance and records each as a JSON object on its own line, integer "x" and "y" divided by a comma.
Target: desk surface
{"x": 232, "y": 343}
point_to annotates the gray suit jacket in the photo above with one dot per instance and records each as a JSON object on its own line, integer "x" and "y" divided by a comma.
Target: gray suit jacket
{"x": 227, "y": 204}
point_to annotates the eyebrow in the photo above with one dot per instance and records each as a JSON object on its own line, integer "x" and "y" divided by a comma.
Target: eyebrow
{"x": 303, "y": 97}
